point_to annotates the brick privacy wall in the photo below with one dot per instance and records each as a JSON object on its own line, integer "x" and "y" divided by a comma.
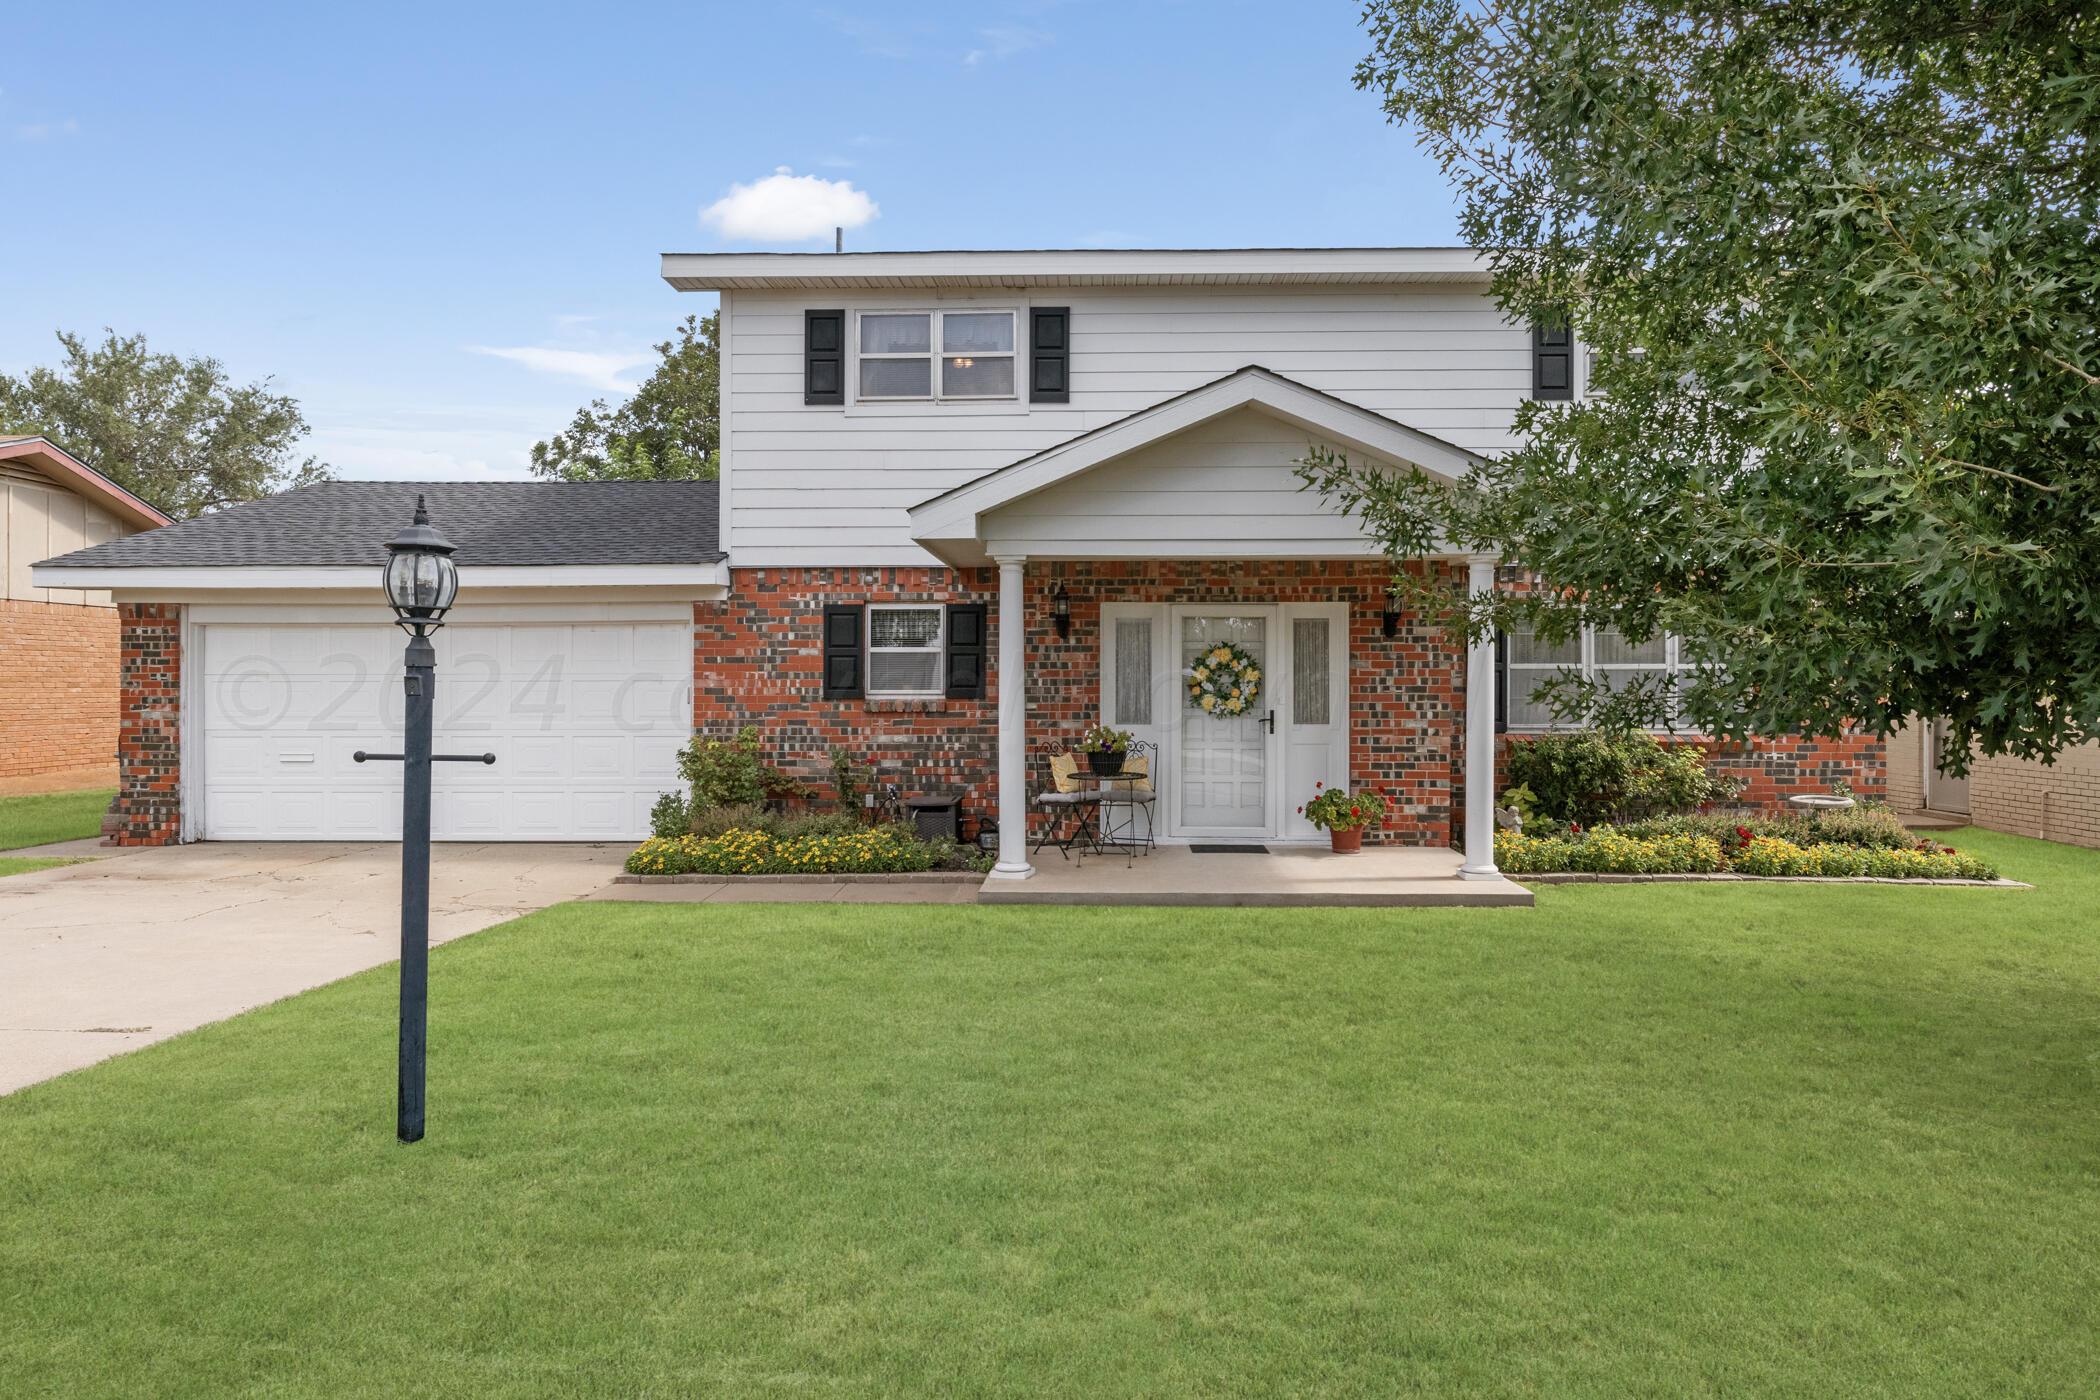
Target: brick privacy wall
{"x": 149, "y": 749}
{"x": 58, "y": 687}
{"x": 2054, "y": 801}
{"x": 1907, "y": 769}
{"x": 757, "y": 660}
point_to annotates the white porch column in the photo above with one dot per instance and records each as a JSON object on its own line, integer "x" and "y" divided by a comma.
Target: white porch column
{"x": 1013, "y": 725}
{"x": 1480, "y": 739}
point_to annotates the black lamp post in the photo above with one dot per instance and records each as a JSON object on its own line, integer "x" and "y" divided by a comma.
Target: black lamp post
{"x": 421, "y": 581}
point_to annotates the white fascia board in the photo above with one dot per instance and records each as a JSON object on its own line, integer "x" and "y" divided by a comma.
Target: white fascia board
{"x": 959, "y": 514}
{"x": 1053, "y": 267}
{"x": 191, "y": 578}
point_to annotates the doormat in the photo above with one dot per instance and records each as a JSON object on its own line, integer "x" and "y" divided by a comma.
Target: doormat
{"x": 1228, "y": 850}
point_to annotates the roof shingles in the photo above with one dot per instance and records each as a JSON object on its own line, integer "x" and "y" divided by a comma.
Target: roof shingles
{"x": 347, "y": 523}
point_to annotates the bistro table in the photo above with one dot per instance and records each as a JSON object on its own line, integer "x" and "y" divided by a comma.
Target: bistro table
{"x": 1104, "y": 785}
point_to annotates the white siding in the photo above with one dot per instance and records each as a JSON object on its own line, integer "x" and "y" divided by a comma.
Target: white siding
{"x": 821, "y": 486}
{"x": 1225, "y": 489}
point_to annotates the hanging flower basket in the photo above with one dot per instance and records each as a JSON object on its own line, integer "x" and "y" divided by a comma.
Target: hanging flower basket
{"x": 1224, "y": 681}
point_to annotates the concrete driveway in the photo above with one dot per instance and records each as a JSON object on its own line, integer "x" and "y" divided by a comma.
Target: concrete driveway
{"x": 101, "y": 958}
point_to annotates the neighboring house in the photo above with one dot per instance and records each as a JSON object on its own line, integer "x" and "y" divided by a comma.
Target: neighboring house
{"x": 58, "y": 646}
{"x": 940, "y": 471}
{"x": 2057, "y": 801}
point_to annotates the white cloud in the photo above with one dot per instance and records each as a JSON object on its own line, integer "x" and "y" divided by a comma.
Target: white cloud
{"x": 44, "y": 131}
{"x": 788, "y": 208}
{"x": 598, "y": 368}
{"x": 1004, "y": 41}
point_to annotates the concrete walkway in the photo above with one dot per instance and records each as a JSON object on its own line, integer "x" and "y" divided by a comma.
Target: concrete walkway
{"x": 1285, "y": 876}
{"x": 103, "y": 957}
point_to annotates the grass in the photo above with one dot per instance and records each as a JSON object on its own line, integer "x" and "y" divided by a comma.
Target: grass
{"x": 22, "y": 865}
{"x": 52, "y": 816}
{"x": 1642, "y": 1140}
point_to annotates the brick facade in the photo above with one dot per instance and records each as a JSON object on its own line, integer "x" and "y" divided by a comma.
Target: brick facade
{"x": 757, "y": 661}
{"x": 149, "y": 802}
{"x": 58, "y": 689}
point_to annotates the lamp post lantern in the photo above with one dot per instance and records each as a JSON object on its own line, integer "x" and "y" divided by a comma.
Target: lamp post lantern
{"x": 421, "y": 581}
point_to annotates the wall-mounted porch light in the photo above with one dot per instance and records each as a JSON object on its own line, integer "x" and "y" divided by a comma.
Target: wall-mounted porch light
{"x": 1061, "y": 613}
{"x": 1389, "y": 620}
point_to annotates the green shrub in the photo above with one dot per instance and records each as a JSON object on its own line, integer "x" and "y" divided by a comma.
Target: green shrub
{"x": 1589, "y": 777}
{"x": 819, "y": 824}
{"x": 670, "y": 816}
{"x": 1772, "y": 855}
{"x": 1605, "y": 851}
{"x": 849, "y": 778}
{"x": 719, "y": 821}
{"x": 867, "y": 850}
{"x": 724, "y": 773}
{"x": 1868, "y": 825}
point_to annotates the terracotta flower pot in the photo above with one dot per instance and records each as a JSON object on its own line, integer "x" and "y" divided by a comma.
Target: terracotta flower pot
{"x": 1346, "y": 843}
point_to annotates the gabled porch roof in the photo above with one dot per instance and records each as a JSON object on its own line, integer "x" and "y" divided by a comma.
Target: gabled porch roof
{"x": 956, "y": 525}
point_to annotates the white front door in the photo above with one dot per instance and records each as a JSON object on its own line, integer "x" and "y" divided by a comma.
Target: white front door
{"x": 1224, "y": 765}
{"x": 1241, "y": 777}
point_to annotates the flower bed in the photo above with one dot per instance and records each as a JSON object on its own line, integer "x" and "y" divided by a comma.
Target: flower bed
{"x": 875, "y": 850}
{"x": 1603, "y": 850}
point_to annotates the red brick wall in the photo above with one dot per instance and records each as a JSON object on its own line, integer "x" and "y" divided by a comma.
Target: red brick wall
{"x": 149, "y": 749}
{"x": 757, "y": 660}
{"x": 58, "y": 687}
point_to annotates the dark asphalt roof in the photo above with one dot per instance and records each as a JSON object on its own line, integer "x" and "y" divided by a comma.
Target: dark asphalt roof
{"x": 492, "y": 523}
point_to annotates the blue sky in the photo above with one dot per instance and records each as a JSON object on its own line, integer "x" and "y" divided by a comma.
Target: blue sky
{"x": 366, "y": 201}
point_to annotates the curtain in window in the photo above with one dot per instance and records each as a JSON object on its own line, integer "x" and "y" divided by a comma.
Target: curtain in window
{"x": 1312, "y": 700}
{"x": 1133, "y": 698}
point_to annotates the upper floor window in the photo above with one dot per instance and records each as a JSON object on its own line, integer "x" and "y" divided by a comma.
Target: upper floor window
{"x": 938, "y": 355}
{"x": 1600, "y": 654}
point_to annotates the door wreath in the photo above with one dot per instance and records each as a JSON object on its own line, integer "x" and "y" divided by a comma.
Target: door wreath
{"x": 1224, "y": 681}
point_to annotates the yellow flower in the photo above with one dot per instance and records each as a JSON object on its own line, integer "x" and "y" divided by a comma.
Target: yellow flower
{"x": 1210, "y": 702}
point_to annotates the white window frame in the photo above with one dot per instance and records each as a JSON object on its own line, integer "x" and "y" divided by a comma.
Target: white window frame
{"x": 936, "y": 354}
{"x": 1587, "y": 666}
{"x": 939, "y": 650}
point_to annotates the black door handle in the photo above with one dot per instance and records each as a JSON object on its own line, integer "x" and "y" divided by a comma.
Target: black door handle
{"x": 1270, "y": 720}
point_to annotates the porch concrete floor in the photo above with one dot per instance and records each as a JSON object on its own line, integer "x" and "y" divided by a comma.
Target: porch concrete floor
{"x": 1308, "y": 876}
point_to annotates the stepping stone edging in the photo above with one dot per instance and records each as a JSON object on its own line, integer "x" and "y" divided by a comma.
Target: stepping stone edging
{"x": 1589, "y": 877}
{"x": 900, "y": 877}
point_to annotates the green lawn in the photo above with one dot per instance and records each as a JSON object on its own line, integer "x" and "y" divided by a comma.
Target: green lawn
{"x": 22, "y": 865}
{"x": 52, "y": 816}
{"x": 1653, "y": 1140}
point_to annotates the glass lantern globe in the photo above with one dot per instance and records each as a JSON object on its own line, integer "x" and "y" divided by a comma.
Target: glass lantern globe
{"x": 420, "y": 579}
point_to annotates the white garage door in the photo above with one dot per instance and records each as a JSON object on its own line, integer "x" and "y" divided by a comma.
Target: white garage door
{"x": 585, "y": 721}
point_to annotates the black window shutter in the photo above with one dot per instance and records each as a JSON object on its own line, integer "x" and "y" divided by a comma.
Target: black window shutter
{"x": 823, "y": 357}
{"x": 843, "y": 656}
{"x": 1501, "y": 683}
{"x": 966, "y": 627}
{"x": 1552, "y": 360}
{"x": 1050, "y": 354}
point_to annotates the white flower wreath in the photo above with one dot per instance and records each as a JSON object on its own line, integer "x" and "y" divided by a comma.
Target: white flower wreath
{"x": 1224, "y": 681}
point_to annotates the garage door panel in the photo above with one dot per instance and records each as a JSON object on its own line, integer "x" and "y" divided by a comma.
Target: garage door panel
{"x": 595, "y": 758}
{"x": 586, "y": 723}
{"x": 600, "y": 814}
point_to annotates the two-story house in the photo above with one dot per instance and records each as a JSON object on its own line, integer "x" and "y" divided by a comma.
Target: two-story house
{"x": 971, "y": 503}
